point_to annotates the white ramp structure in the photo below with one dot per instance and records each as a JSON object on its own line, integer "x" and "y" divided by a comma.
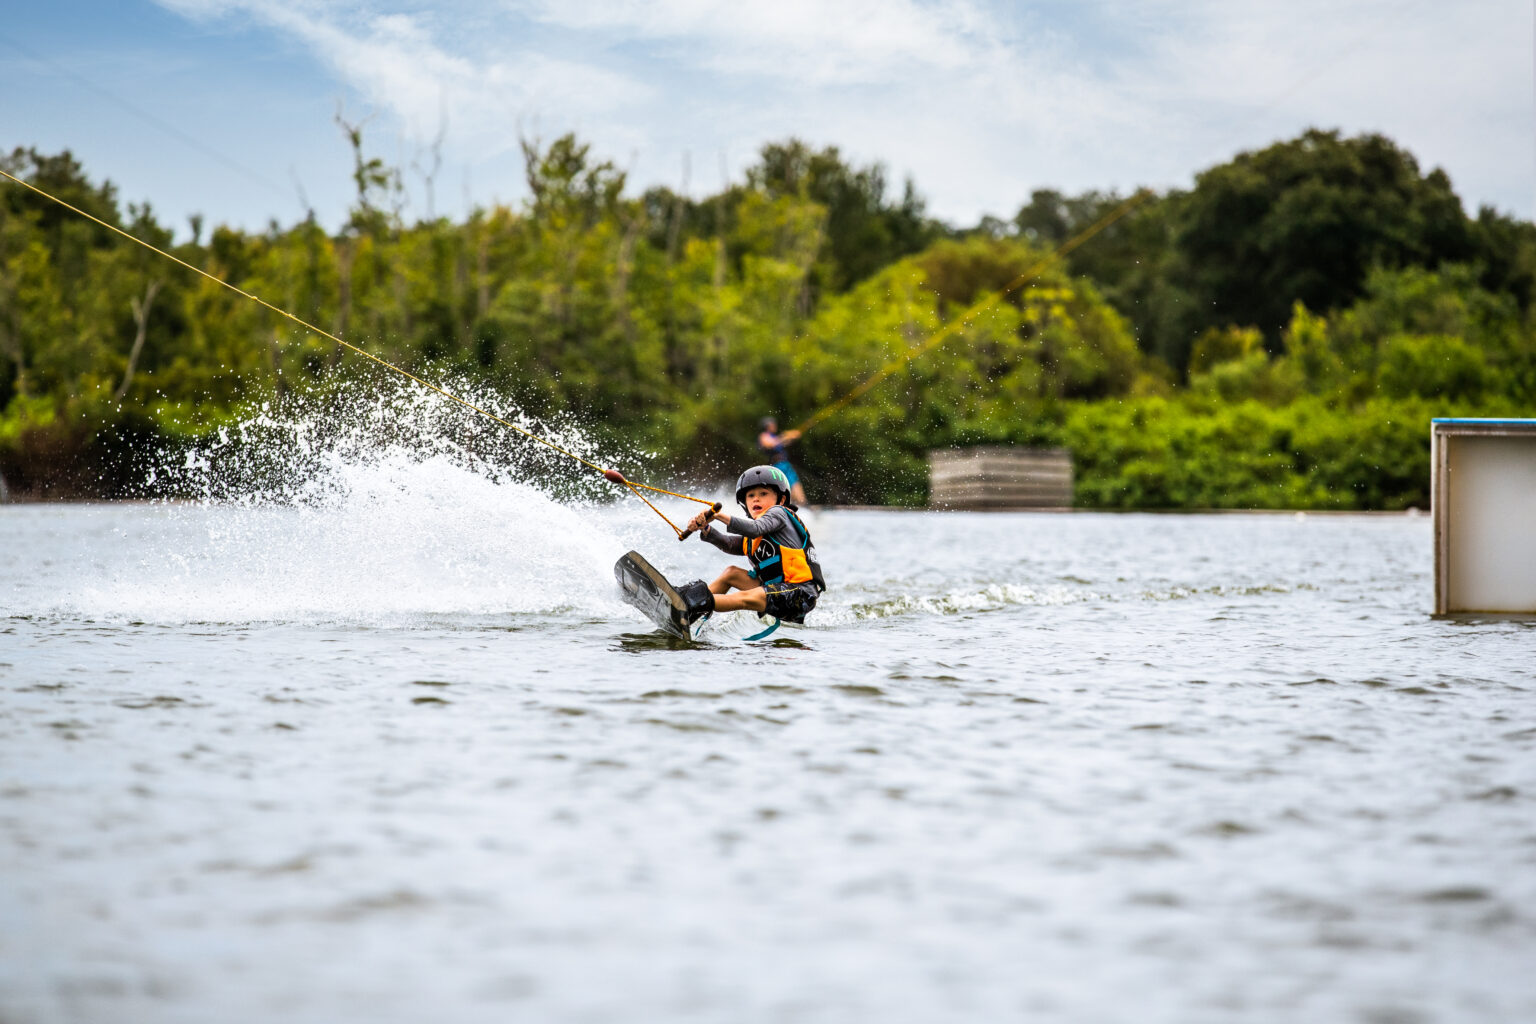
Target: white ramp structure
{"x": 1484, "y": 503}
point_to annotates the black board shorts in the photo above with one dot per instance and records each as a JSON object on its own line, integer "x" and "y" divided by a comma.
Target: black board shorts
{"x": 791, "y": 602}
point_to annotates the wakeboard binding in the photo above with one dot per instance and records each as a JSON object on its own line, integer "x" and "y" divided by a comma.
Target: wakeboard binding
{"x": 696, "y": 602}
{"x": 680, "y": 611}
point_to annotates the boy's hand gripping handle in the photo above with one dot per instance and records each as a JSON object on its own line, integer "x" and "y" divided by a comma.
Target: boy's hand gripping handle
{"x": 689, "y": 532}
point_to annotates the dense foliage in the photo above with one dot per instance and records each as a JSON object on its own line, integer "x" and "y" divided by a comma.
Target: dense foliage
{"x": 1278, "y": 336}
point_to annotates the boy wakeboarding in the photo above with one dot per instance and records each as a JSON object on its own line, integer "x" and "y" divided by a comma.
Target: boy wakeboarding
{"x": 785, "y": 579}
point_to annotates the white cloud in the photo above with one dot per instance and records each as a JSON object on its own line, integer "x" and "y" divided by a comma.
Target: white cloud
{"x": 1451, "y": 82}
{"x": 399, "y": 63}
{"x": 979, "y": 101}
{"x": 798, "y": 42}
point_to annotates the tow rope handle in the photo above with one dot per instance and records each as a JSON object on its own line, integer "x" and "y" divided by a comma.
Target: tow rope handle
{"x": 690, "y": 531}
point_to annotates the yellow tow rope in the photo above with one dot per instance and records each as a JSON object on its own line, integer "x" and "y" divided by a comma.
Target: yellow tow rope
{"x": 612, "y": 475}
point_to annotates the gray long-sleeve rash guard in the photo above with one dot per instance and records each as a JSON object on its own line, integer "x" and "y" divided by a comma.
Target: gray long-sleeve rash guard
{"x": 773, "y": 524}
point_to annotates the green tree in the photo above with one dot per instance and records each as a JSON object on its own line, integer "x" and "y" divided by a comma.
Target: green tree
{"x": 671, "y": 324}
{"x": 866, "y": 228}
{"x": 1306, "y": 220}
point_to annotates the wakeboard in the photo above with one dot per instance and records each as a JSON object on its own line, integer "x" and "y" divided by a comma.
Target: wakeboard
{"x": 644, "y": 587}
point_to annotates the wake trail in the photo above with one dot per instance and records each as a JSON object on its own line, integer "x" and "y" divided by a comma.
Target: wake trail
{"x": 381, "y": 509}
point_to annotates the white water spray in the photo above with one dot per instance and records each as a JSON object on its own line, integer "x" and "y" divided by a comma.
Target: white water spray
{"x": 382, "y": 509}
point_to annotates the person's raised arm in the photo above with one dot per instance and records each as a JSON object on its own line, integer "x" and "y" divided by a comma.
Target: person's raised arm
{"x": 724, "y": 541}
{"x": 708, "y": 533}
{"x": 744, "y": 526}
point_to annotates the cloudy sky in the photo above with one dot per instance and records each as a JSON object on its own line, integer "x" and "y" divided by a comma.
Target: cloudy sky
{"x": 227, "y": 107}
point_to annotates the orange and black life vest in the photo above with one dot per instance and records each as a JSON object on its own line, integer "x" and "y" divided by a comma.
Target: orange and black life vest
{"x": 775, "y": 562}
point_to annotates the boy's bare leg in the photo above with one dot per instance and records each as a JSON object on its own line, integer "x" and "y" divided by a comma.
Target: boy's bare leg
{"x": 797, "y": 494}
{"x": 755, "y": 600}
{"x": 733, "y": 578}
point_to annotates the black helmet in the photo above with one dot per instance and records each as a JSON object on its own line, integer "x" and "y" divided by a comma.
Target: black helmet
{"x": 762, "y": 424}
{"x": 762, "y": 476}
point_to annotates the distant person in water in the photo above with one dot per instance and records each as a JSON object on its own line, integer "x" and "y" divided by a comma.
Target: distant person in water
{"x": 773, "y": 444}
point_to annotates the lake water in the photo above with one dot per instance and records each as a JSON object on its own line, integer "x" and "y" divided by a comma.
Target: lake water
{"x": 399, "y": 753}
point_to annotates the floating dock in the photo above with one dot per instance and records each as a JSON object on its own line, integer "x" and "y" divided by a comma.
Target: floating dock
{"x": 999, "y": 477}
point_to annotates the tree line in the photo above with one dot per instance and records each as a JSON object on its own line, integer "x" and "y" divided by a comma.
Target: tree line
{"x": 1277, "y": 335}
